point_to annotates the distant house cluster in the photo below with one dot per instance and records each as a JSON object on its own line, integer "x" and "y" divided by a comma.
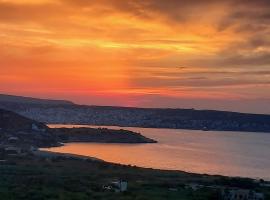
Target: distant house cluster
{"x": 230, "y": 193}
{"x": 16, "y": 150}
{"x": 241, "y": 194}
{"x": 13, "y": 147}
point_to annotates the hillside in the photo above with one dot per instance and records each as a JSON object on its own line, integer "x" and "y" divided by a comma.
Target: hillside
{"x": 60, "y": 177}
{"x": 141, "y": 117}
{"x": 17, "y": 130}
{"x": 29, "y": 100}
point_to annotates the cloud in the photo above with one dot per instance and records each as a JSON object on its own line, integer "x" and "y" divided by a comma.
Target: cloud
{"x": 196, "y": 82}
{"x": 12, "y": 12}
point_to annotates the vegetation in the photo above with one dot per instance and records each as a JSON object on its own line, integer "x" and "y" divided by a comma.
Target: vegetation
{"x": 103, "y": 135}
{"x": 36, "y": 178}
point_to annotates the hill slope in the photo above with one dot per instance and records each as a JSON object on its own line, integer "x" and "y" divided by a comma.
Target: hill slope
{"x": 24, "y": 131}
{"x": 11, "y": 121}
{"x": 29, "y": 100}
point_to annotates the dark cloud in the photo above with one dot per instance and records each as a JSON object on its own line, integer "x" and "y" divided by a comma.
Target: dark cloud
{"x": 221, "y": 73}
{"x": 247, "y": 16}
{"x": 182, "y": 10}
{"x": 256, "y": 59}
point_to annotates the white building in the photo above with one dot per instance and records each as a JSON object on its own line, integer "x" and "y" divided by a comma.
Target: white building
{"x": 120, "y": 186}
{"x": 13, "y": 150}
{"x": 117, "y": 186}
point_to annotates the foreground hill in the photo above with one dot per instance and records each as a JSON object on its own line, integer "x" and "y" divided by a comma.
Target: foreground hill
{"x": 11, "y": 121}
{"x": 16, "y": 130}
{"x": 140, "y": 117}
{"x": 59, "y": 177}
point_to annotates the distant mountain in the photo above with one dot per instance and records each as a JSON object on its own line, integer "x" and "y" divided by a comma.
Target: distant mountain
{"x": 29, "y": 100}
{"x": 141, "y": 117}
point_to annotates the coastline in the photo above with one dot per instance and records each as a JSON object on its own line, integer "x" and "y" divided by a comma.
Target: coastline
{"x": 46, "y": 153}
{"x": 186, "y": 145}
{"x": 49, "y": 154}
{"x": 61, "y": 176}
{"x": 75, "y": 125}
{"x": 98, "y": 135}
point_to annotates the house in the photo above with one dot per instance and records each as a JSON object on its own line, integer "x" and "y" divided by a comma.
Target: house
{"x": 117, "y": 186}
{"x": 241, "y": 194}
{"x": 120, "y": 186}
{"x": 13, "y": 150}
{"x": 13, "y": 140}
{"x": 35, "y": 127}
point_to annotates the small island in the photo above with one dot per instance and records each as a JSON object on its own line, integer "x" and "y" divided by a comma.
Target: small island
{"x": 99, "y": 135}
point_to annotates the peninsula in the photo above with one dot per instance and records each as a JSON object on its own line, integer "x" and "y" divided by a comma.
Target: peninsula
{"x": 16, "y": 130}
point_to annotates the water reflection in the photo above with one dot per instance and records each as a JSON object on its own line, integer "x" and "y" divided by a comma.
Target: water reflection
{"x": 212, "y": 152}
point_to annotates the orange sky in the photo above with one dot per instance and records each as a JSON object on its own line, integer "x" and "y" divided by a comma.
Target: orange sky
{"x": 137, "y": 53}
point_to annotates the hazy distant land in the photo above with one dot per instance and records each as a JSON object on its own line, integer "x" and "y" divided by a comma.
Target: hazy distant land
{"x": 64, "y": 112}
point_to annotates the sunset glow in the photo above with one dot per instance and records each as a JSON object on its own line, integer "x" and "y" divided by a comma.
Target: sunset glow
{"x": 152, "y": 53}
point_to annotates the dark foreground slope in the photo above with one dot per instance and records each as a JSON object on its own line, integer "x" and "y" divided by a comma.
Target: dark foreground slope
{"x": 141, "y": 117}
{"x": 16, "y": 130}
{"x": 11, "y": 121}
{"x": 59, "y": 178}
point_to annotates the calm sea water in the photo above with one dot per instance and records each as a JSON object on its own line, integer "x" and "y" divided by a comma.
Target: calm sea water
{"x": 213, "y": 152}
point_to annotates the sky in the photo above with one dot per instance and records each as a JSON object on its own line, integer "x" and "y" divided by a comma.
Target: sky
{"x": 205, "y": 54}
